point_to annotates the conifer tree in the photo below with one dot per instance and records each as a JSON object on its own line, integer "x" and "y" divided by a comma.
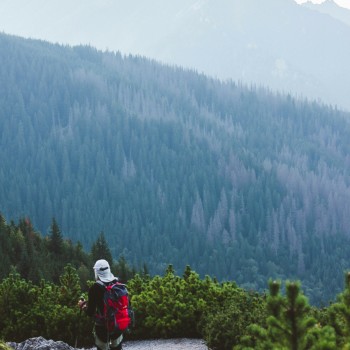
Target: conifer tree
{"x": 145, "y": 271}
{"x": 70, "y": 286}
{"x": 122, "y": 269}
{"x": 56, "y": 248}
{"x": 339, "y": 314}
{"x": 55, "y": 239}
{"x": 289, "y": 325}
{"x": 289, "y": 321}
{"x": 100, "y": 249}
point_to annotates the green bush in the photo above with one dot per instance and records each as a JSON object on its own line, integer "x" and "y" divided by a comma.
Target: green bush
{"x": 167, "y": 306}
{"x": 4, "y": 346}
{"x": 225, "y": 322}
{"x": 48, "y": 310}
{"x": 17, "y": 298}
{"x": 289, "y": 324}
{"x": 225, "y": 315}
{"x": 171, "y": 306}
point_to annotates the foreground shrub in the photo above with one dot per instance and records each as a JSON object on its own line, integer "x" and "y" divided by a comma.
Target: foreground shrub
{"x": 288, "y": 324}
{"x": 224, "y": 324}
{"x": 4, "y": 346}
{"x": 168, "y": 306}
{"x": 48, "y": 310}
{"x": 171, "y": 306}
{"x": 339, "y": 316}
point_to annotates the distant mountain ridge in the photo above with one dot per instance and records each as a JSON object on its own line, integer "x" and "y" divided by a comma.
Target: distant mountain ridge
{"x": 274, "y": 43}
{"x": 329, "y": 7}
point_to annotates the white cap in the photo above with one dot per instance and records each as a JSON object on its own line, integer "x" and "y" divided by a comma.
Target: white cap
{"x": 103, "y": 271}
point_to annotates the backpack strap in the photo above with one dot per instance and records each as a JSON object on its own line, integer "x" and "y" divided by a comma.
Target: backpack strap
{"x": 100, "y": 283}
{"x": 115, "y": 281}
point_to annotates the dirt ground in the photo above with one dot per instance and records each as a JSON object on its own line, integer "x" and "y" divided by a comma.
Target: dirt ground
{"x": 168, "y": 344}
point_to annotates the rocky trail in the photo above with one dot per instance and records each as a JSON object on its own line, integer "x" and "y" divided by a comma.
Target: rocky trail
{"x": 40, "y": 343}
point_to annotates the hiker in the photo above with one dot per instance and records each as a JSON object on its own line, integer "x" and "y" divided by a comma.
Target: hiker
{"x": 95, "y": 307}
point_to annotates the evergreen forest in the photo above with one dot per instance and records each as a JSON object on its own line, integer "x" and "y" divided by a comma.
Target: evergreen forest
{"x": 168, "y": 166}
{"x": 169, "y": 305}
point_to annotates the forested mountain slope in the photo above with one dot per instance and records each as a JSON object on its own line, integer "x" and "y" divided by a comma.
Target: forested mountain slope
{"x": 174, "y": 167}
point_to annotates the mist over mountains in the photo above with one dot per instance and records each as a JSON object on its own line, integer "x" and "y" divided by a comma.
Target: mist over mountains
{"x": 274, "y": 43}
{"x": 330, "y": 8}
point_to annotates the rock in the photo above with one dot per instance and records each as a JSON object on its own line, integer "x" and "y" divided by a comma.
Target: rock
{"x": 40, "y": 343}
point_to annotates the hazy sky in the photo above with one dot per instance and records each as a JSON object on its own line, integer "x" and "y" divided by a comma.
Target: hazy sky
{"x": 204, "y": 39}
{"x": 343, "y": 3}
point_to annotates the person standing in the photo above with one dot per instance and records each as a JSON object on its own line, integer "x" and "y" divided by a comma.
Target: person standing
{"x": 94, "y": 307}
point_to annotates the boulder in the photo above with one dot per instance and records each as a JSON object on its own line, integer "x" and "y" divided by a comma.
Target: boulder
{"x": 40, "y": 343}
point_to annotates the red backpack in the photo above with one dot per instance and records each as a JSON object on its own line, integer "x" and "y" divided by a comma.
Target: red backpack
{"x": 117, "y": 313}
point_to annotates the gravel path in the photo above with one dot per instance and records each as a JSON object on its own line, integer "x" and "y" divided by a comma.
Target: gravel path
{"x": 168, "y": 344}
{"x": 40, "y": 343}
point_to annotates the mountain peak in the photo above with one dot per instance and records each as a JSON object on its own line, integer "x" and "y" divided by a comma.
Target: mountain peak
{"x": 331, "y": 8}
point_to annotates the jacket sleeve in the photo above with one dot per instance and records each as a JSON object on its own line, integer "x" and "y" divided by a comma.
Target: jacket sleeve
{"x": 92, "y": 301}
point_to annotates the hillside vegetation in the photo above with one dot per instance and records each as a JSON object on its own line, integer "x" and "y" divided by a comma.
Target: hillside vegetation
{"x": 174, "y": 167}
{"x": 165, "y": 306}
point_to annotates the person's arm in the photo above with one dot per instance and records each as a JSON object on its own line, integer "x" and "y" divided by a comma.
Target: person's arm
{"x": 82, "y": 303}
{"x": 89, "y": 306}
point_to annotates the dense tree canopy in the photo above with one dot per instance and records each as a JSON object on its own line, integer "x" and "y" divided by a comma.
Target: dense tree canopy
{"x": 25, "y": 251}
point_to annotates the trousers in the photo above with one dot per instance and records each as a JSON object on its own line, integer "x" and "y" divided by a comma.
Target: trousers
{"x": 105, "y": 341}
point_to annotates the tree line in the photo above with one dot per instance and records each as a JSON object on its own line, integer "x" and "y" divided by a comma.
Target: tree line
{"x": 224, "y": 315}
{"x": 25, "y": 251}
{"x": 41, "y": 300}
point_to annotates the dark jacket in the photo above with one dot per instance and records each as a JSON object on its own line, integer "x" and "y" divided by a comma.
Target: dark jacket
{"x": 95, "y": 306}
{"x": 95, "y": 298}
